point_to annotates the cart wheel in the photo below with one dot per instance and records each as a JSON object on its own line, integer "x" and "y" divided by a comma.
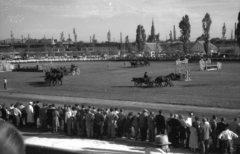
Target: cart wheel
{"x": 140, "y": 84}
{"x": 135, "y": 83}
{"x": 73, "y": 73}
{"x": 78, "y": 72}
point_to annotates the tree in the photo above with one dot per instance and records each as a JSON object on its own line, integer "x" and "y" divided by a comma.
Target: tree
{"x": 237, "y": 32}
{"x": 109, "y": 36}
{"x": 185, "y": 27}
{"x": 223, "y": 31}
{"x": 206, "y": 23}
{"x": 127, "y": 44}
{"x": 140, "y": 38}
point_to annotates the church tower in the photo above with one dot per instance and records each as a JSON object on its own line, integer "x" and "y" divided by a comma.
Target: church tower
{"x": 153, "y": 32}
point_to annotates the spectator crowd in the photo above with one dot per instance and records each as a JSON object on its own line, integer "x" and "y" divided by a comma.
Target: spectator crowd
{"x": 199, "y": 135}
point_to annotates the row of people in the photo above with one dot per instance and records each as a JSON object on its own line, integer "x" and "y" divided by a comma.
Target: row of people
{"x": 92, "y": 122}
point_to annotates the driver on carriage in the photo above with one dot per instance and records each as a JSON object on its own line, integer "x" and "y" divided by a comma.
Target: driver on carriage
{"x": 145, "y": 76}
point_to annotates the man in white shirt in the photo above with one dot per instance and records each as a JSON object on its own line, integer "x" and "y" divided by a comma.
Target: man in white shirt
{"x": 189, "y": 124}
{"x": 226, "y": 136}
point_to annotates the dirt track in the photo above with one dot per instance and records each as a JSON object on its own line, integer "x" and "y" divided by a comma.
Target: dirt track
{"x": 9, "y": 97}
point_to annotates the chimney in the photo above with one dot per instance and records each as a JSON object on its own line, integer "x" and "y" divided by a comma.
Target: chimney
{"x": 120, "y": 37}
{"x": 235, "y": 36}
{"x": 174, "y": 33}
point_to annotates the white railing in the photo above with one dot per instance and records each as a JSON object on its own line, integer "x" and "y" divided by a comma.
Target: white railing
{"x": 54, "y": 60}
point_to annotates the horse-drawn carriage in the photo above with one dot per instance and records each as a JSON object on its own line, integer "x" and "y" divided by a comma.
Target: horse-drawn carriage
{"x": 160, "y": 81}
{"x": 137, "y": 63}
{"x": 73, "y": 70}
{"x": 140, "y": 81}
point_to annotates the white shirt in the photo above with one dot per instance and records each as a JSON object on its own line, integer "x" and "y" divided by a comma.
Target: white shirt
{"x": 188, "y": 122}
{"x": 227, "y": 135}
{"x": 5, "y": 80}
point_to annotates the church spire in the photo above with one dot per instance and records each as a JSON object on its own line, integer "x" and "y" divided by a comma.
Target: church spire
{"x": 153, "y": 29}
{"x": 153, "y": 32}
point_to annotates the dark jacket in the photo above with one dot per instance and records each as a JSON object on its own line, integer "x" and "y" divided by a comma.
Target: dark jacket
{"x": 160, "y": 121}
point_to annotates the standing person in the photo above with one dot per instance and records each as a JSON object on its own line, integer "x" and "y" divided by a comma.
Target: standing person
{"x": 169, "y": 127}
{"x": 42, "y": 117}
{"x": 99, "y": 122}
{"x": 55, "y": 121}
{"x": 111, "y": 118}
{"x": 74, "y": 120}
{"x": 5, "y": 83}
{"x": 197, "y": 125}
{"x": 30, "y": 114}
{"x": 89, "y": 123}
{"x": 205, "y": 131}
{"x": 226, "y": 137}
{"x": 214, "y": 134}
{"x": 143, "y": 124}
{"x": 234, "y": 126}
{"x": 135, "y": 125}
{"x": 82, "y": 120}
{"x": 16, "y": 114}
{"x": 36, "y": 109}
{"x": 120, "y": 123}
{"x": 128, "y": 125}
{"x": 151, "y": 126}
{"x": 23, "y": 111}
{"x": 4, "y": 112}
{"x": 221, "y": 126}
{"x": 50, "y": 110}
{"x": 183, "y": 131}
{"x": 160, "y": 123}
{"x": 193, "y": 139}
{"x": 175, "y": 124}
{"x": 63, "y": 117}
{"x": 68, "y": 120}
{"x": 189, "y": 125}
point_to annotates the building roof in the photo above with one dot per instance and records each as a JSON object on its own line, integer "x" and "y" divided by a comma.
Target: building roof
{"x": 152, "y": 47}
{"x": 210, "y": 45}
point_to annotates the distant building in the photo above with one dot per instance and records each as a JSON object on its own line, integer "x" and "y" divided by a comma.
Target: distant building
{"x": 153, "y": 37}
{"x": 154, "y": 49}
{"x": 100, "y": 50}
{"x": 198, "y": 47}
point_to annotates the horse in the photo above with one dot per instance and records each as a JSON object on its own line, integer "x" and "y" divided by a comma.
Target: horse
{"x": 133, "y": 63}
{"x": 166, "y": 79}
{"x": 59, "y": 77}
{"x": 51, "y": 78}
{"x": 146, "y": 63}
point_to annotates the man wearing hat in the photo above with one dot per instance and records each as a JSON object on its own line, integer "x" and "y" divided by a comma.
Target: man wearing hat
{"x": 161, "y": 143}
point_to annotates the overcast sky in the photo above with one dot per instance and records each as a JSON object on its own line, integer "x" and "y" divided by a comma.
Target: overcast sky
{"x": 88, "y": 17}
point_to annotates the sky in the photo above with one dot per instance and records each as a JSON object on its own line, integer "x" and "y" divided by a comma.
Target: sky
{"x": 51, "y": 17}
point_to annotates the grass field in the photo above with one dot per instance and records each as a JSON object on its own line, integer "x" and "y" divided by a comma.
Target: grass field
{"x": 208, "y": 88}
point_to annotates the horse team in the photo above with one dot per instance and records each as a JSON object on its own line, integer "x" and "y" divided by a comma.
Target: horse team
{"x": 54, "y": 77}
{"x": 136, "y": 63}
{"x": 160, "y": 81}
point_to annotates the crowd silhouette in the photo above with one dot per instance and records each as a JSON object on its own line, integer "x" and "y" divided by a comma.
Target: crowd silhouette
{"x": 198, "y": 135}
